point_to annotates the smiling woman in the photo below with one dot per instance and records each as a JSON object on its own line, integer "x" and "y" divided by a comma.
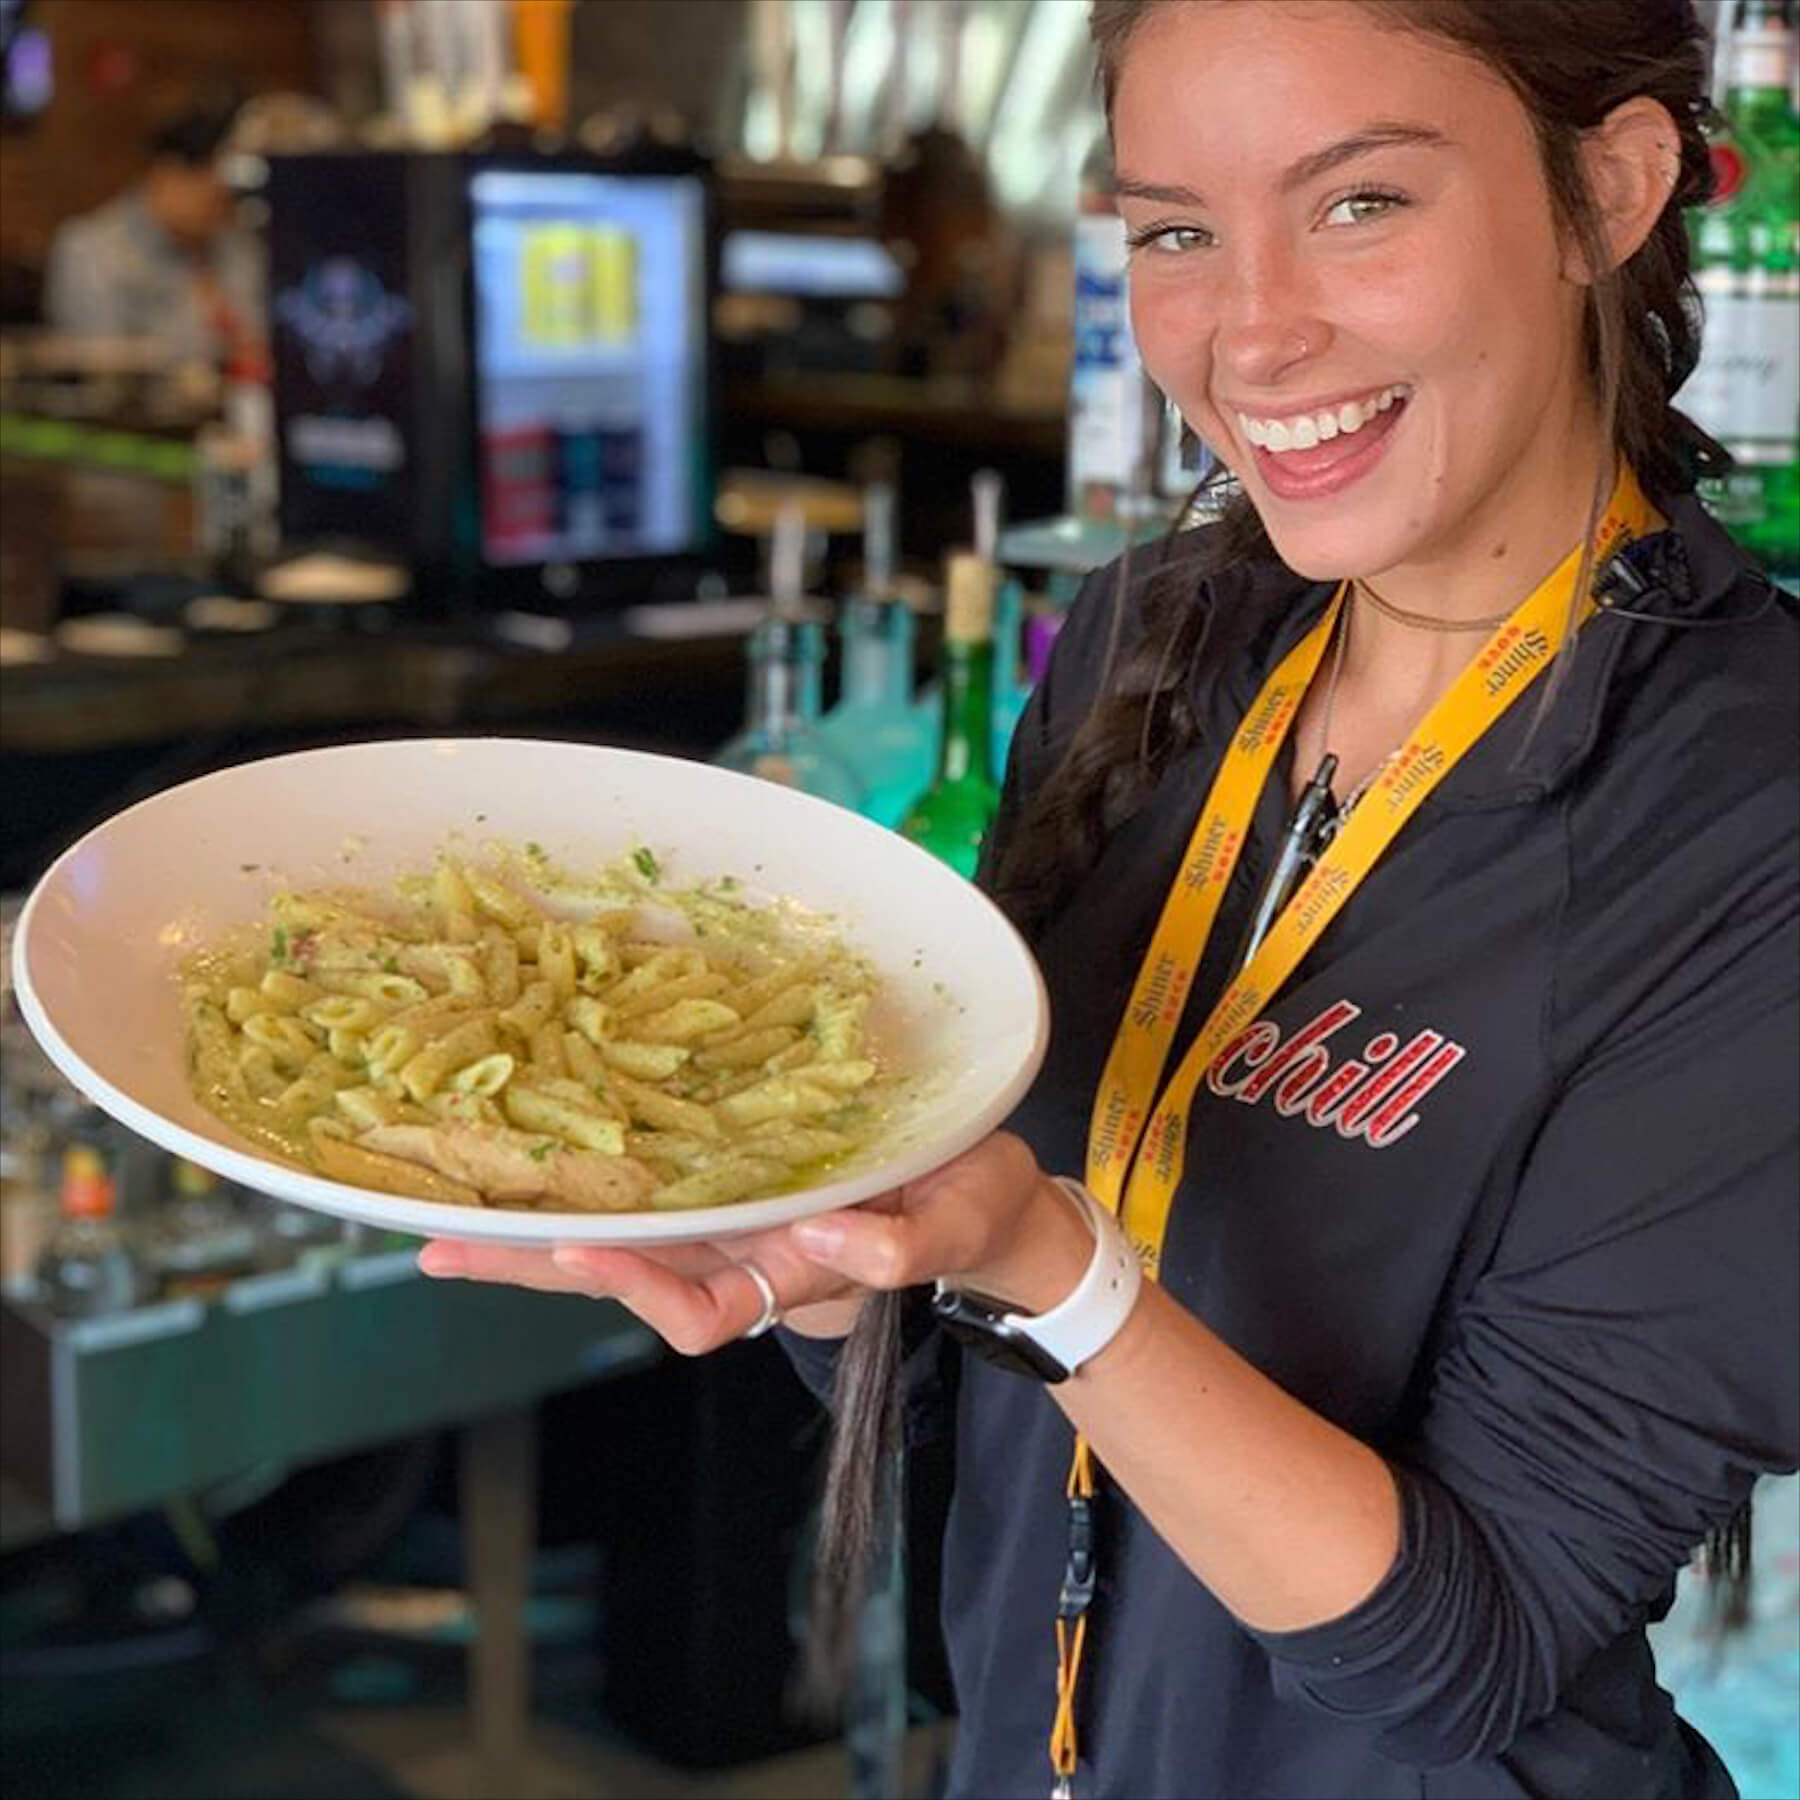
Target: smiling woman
{"x": 1449, "y": 1113}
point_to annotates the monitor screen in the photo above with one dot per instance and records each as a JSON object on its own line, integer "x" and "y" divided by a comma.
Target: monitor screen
{"x": 591, "y": 322}
{"x": 810, "y": 267}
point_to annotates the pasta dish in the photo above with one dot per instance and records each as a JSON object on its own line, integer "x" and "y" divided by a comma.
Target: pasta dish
{"x": 459, "y": 1040}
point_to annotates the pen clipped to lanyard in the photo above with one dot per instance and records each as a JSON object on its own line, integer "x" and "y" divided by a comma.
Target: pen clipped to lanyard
{"x": 1305, "y": 836}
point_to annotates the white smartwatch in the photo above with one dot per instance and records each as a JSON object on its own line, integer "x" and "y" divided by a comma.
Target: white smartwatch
{"x": 1051, "y": 1346}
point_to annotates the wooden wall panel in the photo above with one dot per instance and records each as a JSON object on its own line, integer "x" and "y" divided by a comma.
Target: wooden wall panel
{"x": 87, "y": 145}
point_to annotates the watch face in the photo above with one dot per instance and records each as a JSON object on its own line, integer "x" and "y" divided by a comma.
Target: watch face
{"x": 985, "y": 1327}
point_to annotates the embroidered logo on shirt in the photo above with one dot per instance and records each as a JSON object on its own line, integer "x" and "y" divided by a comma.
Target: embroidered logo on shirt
{"x": 1374, "y": 1096}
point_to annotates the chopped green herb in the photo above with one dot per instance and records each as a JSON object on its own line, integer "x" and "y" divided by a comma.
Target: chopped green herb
{"x": 391, "y": 966}
{"x": 728, "y": 884}
{"x": 647, "y": 865}
{"x": 535, "y": 850}
{"x": 278, "y": 945}
{"x": 538, "y": 1152}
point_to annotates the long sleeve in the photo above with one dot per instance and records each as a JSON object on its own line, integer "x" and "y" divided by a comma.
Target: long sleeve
{"x": 1627, "y": 1363}
{"x": 927, "y": 1370}
{"x": 82, "y": 295}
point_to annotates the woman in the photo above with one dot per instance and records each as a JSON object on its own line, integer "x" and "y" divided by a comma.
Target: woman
{"x": 1477, "y": 1278}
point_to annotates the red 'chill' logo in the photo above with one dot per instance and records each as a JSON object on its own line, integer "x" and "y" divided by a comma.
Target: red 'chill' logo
{"x": 1729, "y": 169}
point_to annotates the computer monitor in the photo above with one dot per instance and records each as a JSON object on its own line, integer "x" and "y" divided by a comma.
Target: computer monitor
{"x": 590, "y": 294}
{"x": 810, "y": 266}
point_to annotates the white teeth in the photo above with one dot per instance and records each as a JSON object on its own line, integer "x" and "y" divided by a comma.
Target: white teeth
{"x": 1304, "y": 431}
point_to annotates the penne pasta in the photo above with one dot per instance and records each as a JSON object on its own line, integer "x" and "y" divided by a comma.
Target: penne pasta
{"x": 463, "y": 1041}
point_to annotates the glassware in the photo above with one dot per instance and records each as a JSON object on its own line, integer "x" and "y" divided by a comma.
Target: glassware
{"x": 1746, "y": 256}
{"x": 952, "y": 816}
{"x": 1010, "y": 691}
{"x": 780, "y": 741}
{"x": 874, "y": 728}
{"x": 87, "y": 1268}
{"x": 292, "y": 1236}
{"x": 200, "y": 1241}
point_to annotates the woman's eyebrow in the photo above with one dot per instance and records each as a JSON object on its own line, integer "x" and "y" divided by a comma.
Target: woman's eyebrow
{"x": 1382, "y": 136}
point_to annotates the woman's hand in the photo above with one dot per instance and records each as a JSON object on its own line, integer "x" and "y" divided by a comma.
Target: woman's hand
{"x": 695, "y": 1297}
{"x": 991, "y": 1219}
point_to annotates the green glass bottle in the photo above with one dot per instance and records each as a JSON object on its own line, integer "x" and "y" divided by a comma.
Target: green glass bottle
{"x": 952, "y": 815}
{"x": 1746, "y": 257}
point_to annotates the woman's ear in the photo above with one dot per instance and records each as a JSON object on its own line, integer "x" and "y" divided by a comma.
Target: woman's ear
{"x": 1632, "y": 160}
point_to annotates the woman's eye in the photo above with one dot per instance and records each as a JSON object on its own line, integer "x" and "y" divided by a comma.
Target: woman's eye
{"x": 1363, "y": 207}
{"x": 1168, "y": 239}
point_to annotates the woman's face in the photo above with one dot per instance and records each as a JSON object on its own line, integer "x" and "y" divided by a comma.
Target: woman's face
{"x": 1347, "y": 275}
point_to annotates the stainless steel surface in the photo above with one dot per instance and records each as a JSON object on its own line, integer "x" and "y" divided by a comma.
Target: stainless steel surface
{"x": 105, "y": 1416}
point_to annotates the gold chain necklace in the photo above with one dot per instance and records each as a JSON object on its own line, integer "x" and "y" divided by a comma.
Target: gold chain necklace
{"x": 1400, "y": 615}
{"x": 1428, "y": 621}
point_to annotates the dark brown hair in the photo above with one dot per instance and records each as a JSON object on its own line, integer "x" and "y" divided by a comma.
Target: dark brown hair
{"x": 1570, "y": 66}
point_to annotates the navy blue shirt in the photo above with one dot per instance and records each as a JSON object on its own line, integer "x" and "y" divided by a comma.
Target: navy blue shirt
{"x": 1506, "y": 1183}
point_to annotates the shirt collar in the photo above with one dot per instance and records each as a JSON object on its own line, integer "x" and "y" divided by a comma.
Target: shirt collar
{"x": 1690, "y": 570}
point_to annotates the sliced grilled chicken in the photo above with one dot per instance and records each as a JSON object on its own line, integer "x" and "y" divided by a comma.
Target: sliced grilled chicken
{"x": 508, "y": 1165}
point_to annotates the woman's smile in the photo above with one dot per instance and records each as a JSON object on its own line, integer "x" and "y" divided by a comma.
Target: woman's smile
{"x": 1316, "y": 451}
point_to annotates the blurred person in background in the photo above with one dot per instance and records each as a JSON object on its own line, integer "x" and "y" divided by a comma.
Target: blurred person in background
{"x": 165, "y": 259}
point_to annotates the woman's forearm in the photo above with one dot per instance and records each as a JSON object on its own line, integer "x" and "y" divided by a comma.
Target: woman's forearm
{"x": 1288, "y": 1520}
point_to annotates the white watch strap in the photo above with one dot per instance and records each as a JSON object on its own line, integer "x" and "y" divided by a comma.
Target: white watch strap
{"x": 1079, "y": 1328}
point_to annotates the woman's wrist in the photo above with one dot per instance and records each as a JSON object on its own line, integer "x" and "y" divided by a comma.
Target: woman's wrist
{"x": 1055, "y": 1244}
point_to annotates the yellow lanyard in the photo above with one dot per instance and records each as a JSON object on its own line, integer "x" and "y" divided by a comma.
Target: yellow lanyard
{"x": 1137, "y": 1141}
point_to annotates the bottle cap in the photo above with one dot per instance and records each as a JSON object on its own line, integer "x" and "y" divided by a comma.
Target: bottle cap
{"x": 969, "y": 599}
{"x": 87, "y": 1189}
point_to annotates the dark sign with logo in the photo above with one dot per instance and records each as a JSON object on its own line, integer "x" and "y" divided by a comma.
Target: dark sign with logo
{"x": 343, "y": 336}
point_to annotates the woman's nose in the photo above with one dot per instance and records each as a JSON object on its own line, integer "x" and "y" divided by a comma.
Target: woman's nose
{"x": 1270, "y": 324}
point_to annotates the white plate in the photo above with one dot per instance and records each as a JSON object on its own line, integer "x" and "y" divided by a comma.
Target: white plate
{"x": 99, "y": 940}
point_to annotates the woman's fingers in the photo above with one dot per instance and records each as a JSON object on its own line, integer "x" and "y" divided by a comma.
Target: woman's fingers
{"x": 956, "y": 1219}
{"x": 696, "y": 1297}
{"x": 507, "y": 1263}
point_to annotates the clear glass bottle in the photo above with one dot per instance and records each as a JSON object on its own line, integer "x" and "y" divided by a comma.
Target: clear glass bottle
{"x": 874, "y": 727}
{"x": 952, "y": 816}
{"x": 779, "y": 741}
{"x": 87, "y": 1268}
{"x": 28, "y": 1210}
{"x": 1746, "y": 257}
{"x": 1011, "y": 690}
{"x": 201, "y": 1240}
{"x": 289, "y": 1236}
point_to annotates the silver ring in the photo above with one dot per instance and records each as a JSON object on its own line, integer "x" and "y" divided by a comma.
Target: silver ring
{"x": 770, "y": 1316}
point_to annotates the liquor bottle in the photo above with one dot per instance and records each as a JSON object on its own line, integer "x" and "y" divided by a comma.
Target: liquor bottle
{"x": 873, "y": 728}
{"x": 1746, "y": 243}
{"x": 201, "y": 1240}
{"x": 781, "y": 741}
{"x": 989, "y": 495}
{"x": 1131, "y": 462}
{"x": 953, "y": 814}
{"x": 1107, "y": 395}
{"x": 87, "y": 1267}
